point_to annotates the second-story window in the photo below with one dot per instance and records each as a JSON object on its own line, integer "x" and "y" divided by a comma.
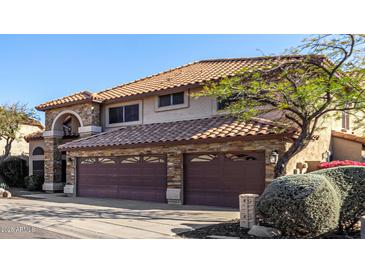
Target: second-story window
{"x": 171, "y": 99}
{"x": 345, "y": 120}
{"x": 124, "y": 114}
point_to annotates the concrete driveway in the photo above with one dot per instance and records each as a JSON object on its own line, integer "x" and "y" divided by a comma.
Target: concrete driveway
{"x": 55, "y": 216}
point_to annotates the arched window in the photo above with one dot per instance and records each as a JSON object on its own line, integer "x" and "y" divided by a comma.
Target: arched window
{"x": 38, "y": 151}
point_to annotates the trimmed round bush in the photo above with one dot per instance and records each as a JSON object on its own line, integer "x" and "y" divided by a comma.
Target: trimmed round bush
{"x": 349, "y": 183}
{"x": 300, "y": 205}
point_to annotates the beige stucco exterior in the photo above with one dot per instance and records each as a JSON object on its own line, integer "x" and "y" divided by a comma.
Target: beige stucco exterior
{"x": 20, "y": 146}
{"x": 194, "y": 108}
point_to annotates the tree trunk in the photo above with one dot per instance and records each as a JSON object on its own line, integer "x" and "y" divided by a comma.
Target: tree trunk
{"x": 299, "y": 144}
{"x": 8, "y": 146}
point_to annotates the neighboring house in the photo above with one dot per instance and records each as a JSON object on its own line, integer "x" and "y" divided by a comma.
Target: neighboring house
{"x": 20, "y": 147}
{"x": 152, "y": 140}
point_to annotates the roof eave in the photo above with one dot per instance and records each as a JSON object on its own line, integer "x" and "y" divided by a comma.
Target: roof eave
{"x": 154, "y": 92}
{"x": 39, "y": 108}
{"x": 286, "y": 137}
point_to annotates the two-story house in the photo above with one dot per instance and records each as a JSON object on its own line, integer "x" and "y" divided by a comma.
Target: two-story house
{"x": 151, "y": 139}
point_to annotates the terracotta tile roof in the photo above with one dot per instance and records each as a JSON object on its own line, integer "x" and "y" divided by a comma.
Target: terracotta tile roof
{"x": 33, "y": 122}
{"x": 80, "y": 97}
{"x": 217, "y": 127}
{"x": 348, "y": 136}
{"x": 34, "y": 136}
{"x": 193, "y": 74}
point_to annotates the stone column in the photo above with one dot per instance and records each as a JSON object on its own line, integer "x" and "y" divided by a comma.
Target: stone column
{"x": 174, "y": 193}
{"x": 69, "y": 188}
{"x": 52, "y": 164}
{"x": 248, "y": 210}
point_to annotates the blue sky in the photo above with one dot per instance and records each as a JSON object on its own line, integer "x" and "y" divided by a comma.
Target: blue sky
{"x": 38, "y": 68}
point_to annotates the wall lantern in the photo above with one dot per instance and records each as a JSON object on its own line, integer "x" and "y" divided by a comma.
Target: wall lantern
{"x": 274, "y": 157}
{"x": 326, "y": 156}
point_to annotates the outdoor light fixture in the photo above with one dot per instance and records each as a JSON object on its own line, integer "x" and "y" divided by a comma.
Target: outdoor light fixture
{"x": 274, "y": 157}
{"x": 326, "y": 156}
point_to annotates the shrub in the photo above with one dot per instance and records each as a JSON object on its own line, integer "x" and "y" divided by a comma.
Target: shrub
{"x": 339, "y": 163}
{"x": 34, "y": 182}
{"x": 300, "y": 205}
{"x": 3, "y": 186}
{"x": 350, "y": 186}
{"x": 13, "y": 170}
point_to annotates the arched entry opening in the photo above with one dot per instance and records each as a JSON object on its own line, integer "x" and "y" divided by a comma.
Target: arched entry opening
{"x": 67, "y": 124}
{"x": 65, "y": 128}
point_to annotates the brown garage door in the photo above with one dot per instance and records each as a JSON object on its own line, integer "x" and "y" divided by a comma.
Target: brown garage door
{"x": 133, "y": 177}
{"x": 216, "y": 179}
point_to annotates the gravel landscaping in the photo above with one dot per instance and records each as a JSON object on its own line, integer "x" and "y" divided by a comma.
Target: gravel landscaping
{"x": 232, "y": 230}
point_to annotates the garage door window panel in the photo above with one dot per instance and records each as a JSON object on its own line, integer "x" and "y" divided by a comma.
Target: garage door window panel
{"x": 204, "y": 158}
{"x": 107, "y": 161}
{"x": 153, "y": 159}
{"x": 131, "y": 160}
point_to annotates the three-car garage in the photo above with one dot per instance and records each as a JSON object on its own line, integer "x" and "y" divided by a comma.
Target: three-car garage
{"x": 213, "y": 179}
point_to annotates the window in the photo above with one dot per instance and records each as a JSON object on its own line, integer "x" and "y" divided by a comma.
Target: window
{"x": 124, "y": 114}
{"x": 106, "y": 161}
{"x": 38, "y": 168}
{"x": 153, "y": 159}
{"x": 240, "y": 157}
{"x": 38, "y": 151}
{"x": 171, "y": 99}
{"x": 345, "y": 120}
{"x": 88, "y": 161}
{"x": 204, "y": 158}
{"x": 131, "y": 160}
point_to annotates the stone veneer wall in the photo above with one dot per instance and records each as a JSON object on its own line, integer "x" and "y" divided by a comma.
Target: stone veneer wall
{"x": 89, "y": 113}
{"x": 90, "y": 116}
{"x": 175, "y": 172}
{"x": 52, "y": 160}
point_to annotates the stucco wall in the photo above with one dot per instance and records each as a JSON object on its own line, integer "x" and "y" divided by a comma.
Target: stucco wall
{"x": 196, "y": 108}
{"x": 346, "y": 150}
{"x": 20, "y": 146}
{"x": 313, "y": 154}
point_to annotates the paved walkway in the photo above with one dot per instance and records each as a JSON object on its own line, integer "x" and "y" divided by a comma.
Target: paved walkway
{"x": 56, "y": 216}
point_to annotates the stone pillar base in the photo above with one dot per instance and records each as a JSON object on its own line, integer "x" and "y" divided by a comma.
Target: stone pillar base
{"x": 248, "y": 210}
{"x": 52, "y": 187}
{"x": 173, "y": 196}
{"x": 69, "y": 190}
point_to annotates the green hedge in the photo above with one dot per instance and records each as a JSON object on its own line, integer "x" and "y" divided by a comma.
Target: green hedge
{"x": 13, "y": 170}
{"x": 350, "y": 186}
{"x": 311, "y": 204}
{"x": 300, "y": 205}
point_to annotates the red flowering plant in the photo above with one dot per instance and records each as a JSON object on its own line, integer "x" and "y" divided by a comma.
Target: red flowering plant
{"x": 340, "y": 163}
